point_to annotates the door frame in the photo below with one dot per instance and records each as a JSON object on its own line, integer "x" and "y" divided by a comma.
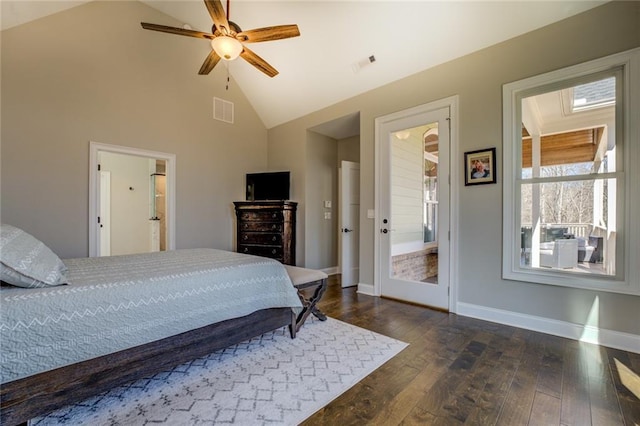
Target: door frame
{"x": 94, "y": 199}
{"x": 454, "y": 183}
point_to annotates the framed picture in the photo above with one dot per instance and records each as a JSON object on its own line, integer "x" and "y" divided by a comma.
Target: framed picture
{"x": 480, "y": 167}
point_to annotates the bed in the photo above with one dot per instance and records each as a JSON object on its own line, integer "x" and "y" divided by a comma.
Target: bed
{"x": 83, "y": 326}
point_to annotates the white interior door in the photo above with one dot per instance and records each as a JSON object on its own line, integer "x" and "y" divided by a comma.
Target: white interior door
{"x": 349, "y": 210}
{"x": 414, "y": 206}
{"x": 105, "y": 214}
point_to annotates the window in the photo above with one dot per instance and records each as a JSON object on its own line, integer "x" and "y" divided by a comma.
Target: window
{"x": 415, "y": 189}
{"x": 597, "y": 94}
{"x": 569, "y": 139}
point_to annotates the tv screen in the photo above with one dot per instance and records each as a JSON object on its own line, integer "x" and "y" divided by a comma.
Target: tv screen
{"x": 268, "y": 186}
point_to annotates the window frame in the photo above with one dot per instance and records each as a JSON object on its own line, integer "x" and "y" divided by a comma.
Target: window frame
{"x": 627, "y": 277}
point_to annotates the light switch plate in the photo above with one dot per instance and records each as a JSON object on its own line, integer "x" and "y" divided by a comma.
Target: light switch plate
{"x": 371, "y": 214}
{"x": 327, "y": 204}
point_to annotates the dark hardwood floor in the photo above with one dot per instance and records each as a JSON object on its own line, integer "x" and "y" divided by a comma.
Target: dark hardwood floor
{"x": 459, "y": 370}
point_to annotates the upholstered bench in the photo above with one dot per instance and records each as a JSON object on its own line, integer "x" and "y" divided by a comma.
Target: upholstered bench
{"x": 303, "y": 278}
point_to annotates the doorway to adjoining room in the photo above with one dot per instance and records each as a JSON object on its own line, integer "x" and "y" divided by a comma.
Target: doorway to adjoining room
{"x": 131, "y": 200}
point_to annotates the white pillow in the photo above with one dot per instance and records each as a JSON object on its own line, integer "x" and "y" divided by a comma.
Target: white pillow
{"x": 27, "y": 262}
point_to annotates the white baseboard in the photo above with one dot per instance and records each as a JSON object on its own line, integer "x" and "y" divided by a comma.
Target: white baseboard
{"x": 366, "y": 289}
{"x": 584, "y": 333}
{"x": 331, "y": 271}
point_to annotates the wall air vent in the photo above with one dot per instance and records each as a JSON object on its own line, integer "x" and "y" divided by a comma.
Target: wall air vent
{"x": 223, "y": 110}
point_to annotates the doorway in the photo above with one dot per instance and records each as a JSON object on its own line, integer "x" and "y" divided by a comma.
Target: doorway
{"x": 131, "y": 200}
{"x": 413, "y": 249}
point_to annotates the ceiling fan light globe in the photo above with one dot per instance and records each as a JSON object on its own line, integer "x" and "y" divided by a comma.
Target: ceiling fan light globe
{"x": 228, "y": 48}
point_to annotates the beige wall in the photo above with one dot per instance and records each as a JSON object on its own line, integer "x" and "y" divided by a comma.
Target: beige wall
{"x": 478, "y": 80}
{"x": 93, "y": 74}
{"x": 280, "y": 154}
{"x": 321, "y": 186}
{"x": 349, "y": 149}
{"x": 324, "y": 155}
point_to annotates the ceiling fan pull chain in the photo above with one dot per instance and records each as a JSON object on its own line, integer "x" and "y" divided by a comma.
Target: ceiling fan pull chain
{"x": 228, "y": 79}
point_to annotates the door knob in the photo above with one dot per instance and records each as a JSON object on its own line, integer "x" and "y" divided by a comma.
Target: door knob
{"x": 347, "y": 230}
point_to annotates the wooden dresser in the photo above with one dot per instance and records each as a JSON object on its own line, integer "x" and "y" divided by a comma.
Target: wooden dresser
{"x": 267, "y": 228}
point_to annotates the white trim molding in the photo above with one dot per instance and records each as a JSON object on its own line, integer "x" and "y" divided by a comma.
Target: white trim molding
{"x": 583, "y": 333}
{"x": 331, "y": 271}
{"x": 367, "y": 289}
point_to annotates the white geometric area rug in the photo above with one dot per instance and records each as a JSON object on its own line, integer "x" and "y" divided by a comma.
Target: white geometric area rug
{"x": 271, "y": 379}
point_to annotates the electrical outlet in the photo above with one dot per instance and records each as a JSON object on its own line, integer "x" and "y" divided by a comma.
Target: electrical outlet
{"x": 327, "y": 215}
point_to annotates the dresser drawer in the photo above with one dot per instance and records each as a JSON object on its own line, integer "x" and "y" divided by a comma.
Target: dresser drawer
{"x": 261, "y": 227}
{"x": 260, "y": 238}
{"x": 267, "y": 228}
{"x": 262, "y": 216}
{"x": 266, "y": 251}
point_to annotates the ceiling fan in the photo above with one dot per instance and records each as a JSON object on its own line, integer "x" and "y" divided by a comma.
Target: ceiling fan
{"x": 227, "y": 39}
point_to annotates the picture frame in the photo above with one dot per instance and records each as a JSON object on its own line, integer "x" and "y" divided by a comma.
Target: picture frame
{"x": 480, "y": 167}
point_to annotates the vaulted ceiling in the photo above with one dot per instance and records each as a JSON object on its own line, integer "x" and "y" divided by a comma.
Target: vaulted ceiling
{"x": 329, "y": 62}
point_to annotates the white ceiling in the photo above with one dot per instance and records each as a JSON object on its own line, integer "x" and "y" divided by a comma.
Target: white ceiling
{"x": 329, "y": 63}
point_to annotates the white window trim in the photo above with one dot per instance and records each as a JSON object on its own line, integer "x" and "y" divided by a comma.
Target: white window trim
{"x": 628, "y": 281}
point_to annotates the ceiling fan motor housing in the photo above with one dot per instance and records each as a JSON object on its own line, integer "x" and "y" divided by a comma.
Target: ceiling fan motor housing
{"x": 235, "y": 29}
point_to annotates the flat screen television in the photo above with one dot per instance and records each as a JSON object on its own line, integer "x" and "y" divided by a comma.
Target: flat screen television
{"x": 268, "y": 186}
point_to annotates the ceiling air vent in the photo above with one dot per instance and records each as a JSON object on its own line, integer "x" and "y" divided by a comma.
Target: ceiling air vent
{"x": 223, "y": 110}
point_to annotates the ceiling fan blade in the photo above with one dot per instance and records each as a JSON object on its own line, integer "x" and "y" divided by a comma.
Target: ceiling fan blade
{"x": 269, "y": 33}
{"x": 211, "y": 61}
{"x": 258, "y": 62}
{"x": 174, "y": 30}
{"x": 218, "y": 15}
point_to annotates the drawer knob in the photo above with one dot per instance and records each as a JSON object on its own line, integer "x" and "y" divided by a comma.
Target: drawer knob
{"x": 273, "y": 238}
{"x": 245, "y": 237}
{"x": 273, "y": 251}
{"x": 246, "y": 250}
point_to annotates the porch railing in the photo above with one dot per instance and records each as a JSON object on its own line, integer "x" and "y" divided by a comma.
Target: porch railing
{"x": 576, "y": 229}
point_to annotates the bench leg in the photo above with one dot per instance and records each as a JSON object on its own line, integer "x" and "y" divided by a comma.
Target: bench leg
{"x": 293, "y": 327}
{"x": 309, "y": 305}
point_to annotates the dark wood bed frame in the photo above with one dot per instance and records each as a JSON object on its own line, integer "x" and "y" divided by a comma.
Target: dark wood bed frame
{"x": 24, "y": 399}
